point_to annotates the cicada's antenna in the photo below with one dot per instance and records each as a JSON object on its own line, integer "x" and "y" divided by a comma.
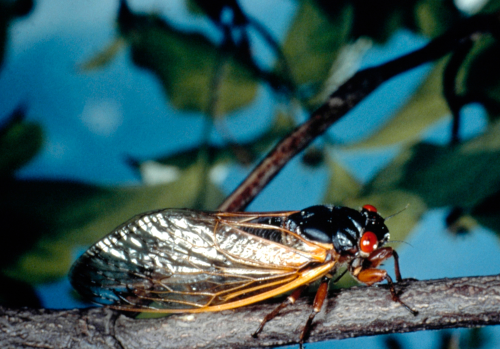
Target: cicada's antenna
{"x": 392, "y": 215}
{"x": 400, "y": 241}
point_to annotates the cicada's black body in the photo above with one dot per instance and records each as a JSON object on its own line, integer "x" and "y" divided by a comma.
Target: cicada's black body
{"x": 180, "y": 260}
{"x": 339, "y": 225}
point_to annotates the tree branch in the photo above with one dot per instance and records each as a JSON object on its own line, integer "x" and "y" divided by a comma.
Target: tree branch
{"x": 346, "y": 98}
{"x": 354, "y": 312}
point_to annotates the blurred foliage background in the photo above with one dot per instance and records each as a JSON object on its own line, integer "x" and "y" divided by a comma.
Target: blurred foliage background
{"x": 321, "y": 49}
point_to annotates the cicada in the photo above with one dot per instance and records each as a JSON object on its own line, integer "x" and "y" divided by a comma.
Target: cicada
{"x": 187, "y": 261}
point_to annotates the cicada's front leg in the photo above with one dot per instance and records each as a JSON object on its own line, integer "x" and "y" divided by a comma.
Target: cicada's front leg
{"x": 368, "y": 273}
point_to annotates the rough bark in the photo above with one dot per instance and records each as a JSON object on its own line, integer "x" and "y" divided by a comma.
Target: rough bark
{"x": 354, "y": 312}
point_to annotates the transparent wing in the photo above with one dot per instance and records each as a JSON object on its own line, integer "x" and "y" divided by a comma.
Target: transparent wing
{"x": 184, "y": 260}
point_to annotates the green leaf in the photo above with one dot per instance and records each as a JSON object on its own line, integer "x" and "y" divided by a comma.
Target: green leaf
{"x": 314, "y": 40}
{"x": 186, "y": 64}
{"x": 50, "y": 219}
{"x": 434, "y": 17}
{"x": 341, "y": 185}
{"x": 20, "y": 141}
{"x": 446, "y": 176}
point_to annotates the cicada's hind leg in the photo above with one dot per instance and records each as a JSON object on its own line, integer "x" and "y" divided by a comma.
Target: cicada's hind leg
{"x": 319, "y": 299}
{"x": 371, "y": 275}
{"x": 291, "y": 299}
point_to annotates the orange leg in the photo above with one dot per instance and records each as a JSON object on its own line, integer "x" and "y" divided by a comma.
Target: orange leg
{"x": 372, "y": 276}
{"x": 289, "y": 300}
{"x": 378, "y": 256}
{"x": 369, "y": 275}
{"x": 319, "y": 299}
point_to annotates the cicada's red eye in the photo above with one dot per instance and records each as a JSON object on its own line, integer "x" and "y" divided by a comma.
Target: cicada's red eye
{"x": 370, "y": 208}
{"x": 369, "y": 242}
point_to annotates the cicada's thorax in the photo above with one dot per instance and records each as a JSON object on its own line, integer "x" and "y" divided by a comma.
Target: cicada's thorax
{"x": 344, "y": 228}
{"x": 341, "y": 226}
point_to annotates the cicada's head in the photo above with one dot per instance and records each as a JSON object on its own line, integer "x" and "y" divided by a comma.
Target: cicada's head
{"x": 374, "y": 234}
{"x": 350, "y": 231}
